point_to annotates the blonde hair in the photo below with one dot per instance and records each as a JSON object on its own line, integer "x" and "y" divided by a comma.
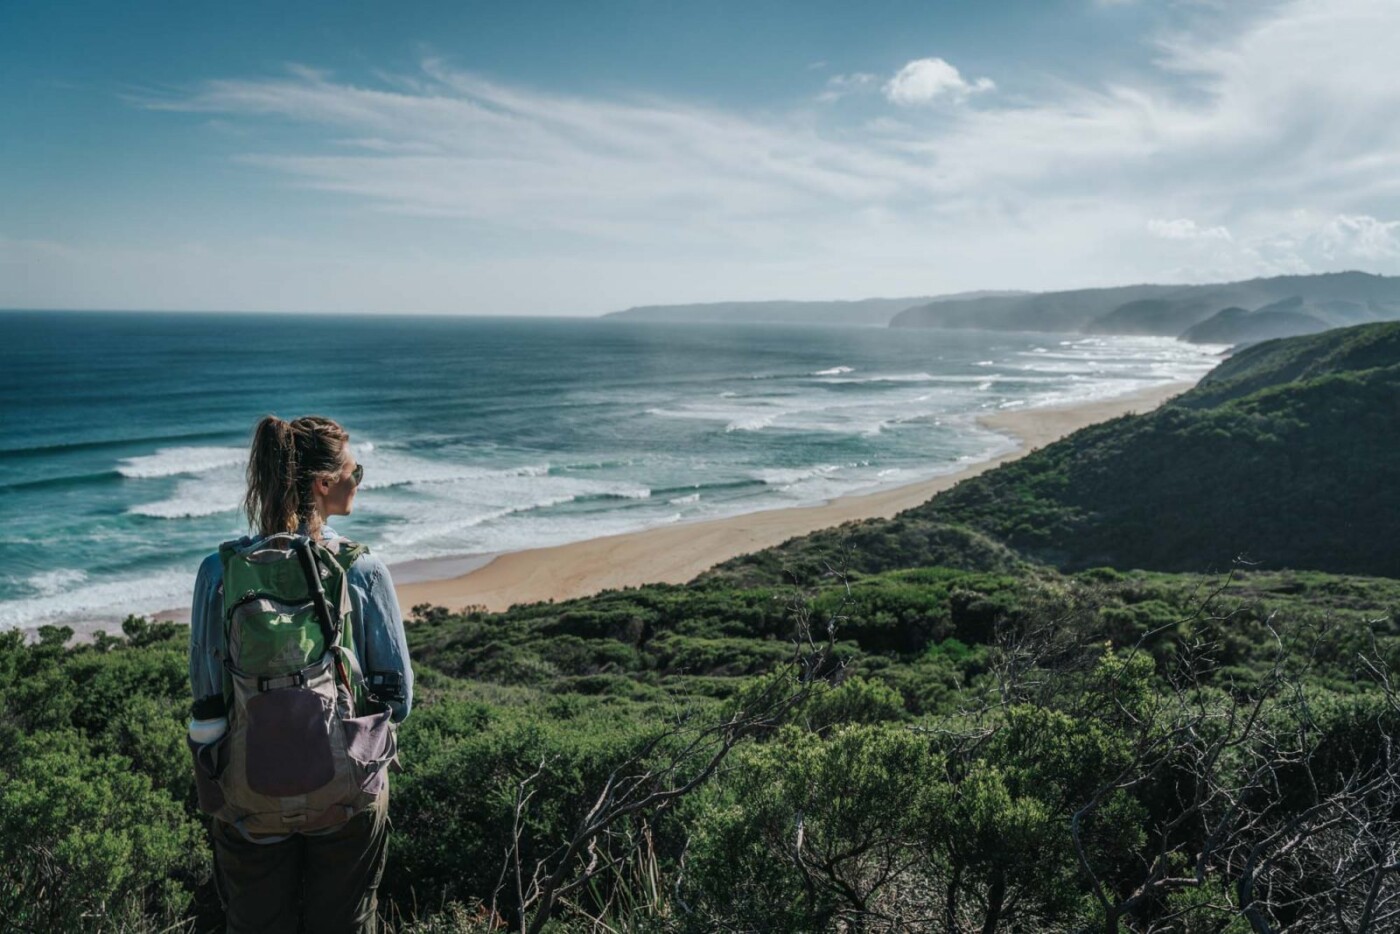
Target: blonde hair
{"x": 285, "y": 459}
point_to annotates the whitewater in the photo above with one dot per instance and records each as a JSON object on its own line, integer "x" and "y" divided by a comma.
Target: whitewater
{"x": 124, "y": 438}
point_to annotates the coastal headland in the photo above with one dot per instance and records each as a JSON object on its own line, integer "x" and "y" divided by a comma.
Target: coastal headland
{"x": 678, "y": 553}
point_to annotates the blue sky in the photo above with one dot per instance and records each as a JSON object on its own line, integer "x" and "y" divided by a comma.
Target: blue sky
{"x": 574, "y": 158}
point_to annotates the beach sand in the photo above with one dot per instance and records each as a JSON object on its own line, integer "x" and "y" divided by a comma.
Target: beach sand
{"x": 678, "y": 553}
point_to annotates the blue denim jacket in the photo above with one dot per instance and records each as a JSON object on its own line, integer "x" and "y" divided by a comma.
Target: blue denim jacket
{"x": 379, "y": 635}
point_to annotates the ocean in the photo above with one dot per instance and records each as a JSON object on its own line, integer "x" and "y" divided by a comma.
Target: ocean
{"x": 123, "y": 436}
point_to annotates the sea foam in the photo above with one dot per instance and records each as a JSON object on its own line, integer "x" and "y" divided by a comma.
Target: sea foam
{"x": 172, "y": 462}
{"x": 567, "y": 444}
{"x": 108, "y": 601}
{"x": 193, "y": 499}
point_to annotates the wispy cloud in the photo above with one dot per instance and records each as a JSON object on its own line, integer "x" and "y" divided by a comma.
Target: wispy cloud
{"x": 1183, "y": 228}
{"x": 839, "y": 86}
{"x": 464, "y": 146}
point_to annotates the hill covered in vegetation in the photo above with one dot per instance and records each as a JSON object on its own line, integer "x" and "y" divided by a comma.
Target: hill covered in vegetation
{"x": 1284, "y": 455}
{"x": 1026, "y": 751}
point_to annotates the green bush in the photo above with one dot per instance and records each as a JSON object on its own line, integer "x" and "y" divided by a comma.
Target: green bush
{"x": 89, "y": 843}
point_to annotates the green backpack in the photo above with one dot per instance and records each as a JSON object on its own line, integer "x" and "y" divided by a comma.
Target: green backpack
{"x": 308, "y": 745}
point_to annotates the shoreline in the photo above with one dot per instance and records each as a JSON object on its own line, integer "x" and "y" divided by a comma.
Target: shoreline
{"x": 677, "y": 553}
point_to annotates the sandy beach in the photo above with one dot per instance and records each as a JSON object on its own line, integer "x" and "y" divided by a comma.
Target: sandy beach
{"x": 677, "y": 553}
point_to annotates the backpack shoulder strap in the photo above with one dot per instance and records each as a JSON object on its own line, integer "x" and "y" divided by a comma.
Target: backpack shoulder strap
{"x": 347, "y": 552}
{"x": 227, "y": 551}
{"x": 326, "y": 614}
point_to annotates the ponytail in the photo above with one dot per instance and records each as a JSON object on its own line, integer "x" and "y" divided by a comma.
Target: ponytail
{"x": 286, "y": 457}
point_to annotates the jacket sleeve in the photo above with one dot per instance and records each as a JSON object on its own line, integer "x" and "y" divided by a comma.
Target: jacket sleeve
{"x": 206, "y": 634}
{"x": 382, "y": 646}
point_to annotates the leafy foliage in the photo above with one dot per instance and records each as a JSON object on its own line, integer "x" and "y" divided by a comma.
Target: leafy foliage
{"x": 886, "y": 799}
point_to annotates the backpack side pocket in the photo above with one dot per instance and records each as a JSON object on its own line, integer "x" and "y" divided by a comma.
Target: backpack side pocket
{"x": 371, "y": 743}
{"x": 210, "y": 759}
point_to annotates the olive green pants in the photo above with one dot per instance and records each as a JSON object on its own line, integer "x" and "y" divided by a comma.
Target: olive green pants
{"x": 318, "y": 884}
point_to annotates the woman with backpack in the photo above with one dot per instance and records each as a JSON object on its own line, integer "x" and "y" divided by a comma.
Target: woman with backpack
{"x": 300, "y": 675}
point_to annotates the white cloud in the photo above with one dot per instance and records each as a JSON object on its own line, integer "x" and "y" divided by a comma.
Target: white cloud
{"x": 1186, "y": 229}
{"x": 1358, "y": 236}
{"x": 1296, "y": 242}
{"x": 925, "y": 80}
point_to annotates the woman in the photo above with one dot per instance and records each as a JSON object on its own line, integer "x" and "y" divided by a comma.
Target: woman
{"x": 293, "y": 852}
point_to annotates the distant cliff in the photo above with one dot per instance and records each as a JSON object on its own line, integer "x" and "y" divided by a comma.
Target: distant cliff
{"x": 868, "y": 311}
{"x": 1291, "y": 317}
{"x": 1229, "y": 313}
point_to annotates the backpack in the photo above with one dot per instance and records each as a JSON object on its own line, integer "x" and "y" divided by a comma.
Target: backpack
{"x": 307, "y": 745}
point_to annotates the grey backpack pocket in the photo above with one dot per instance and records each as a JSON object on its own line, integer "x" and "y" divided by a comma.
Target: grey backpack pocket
{"x": 289, "y": 748}
{"x": 372, "y": 744}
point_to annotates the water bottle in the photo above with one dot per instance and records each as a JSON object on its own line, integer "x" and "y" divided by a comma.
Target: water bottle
{"x": 203, "y": 732}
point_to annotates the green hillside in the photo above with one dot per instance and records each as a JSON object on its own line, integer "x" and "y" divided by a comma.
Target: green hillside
{"x": 1300, "y": 359}
{"x": 1284, "y": 455}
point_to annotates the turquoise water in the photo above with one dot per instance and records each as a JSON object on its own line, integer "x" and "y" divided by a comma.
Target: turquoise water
{"x": 123, "y": 435}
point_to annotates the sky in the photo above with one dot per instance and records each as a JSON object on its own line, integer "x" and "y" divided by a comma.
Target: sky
{"x": 570, "y": 158}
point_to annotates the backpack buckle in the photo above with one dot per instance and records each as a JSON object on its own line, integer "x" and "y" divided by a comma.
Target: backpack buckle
{"x": 294, "y": 680}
